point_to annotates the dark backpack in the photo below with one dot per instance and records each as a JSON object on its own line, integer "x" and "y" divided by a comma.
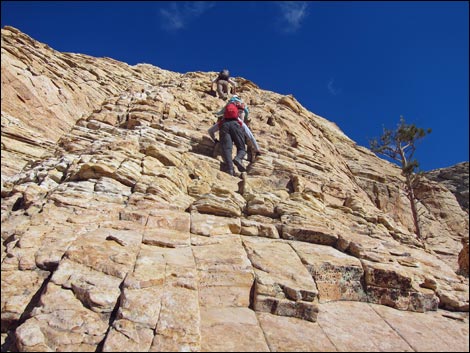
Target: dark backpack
{"x": 224, "y": 75}
{"x": 231, "y": 110}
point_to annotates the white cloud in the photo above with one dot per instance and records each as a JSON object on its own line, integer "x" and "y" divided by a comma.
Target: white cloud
{"x": 294, "y": 12}
{"x": 197, "y": 8}
{"x": 331, "y": 87}
{"x": 177, "y": 15}
{"x": 172, "y": 17}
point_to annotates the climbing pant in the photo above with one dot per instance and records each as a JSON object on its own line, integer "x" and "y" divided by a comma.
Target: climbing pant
{"x": 223, "y": 88}
{"x": 232, "y": 133}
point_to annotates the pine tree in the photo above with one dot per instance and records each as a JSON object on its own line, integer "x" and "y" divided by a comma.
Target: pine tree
{"x": 400, "y": 146}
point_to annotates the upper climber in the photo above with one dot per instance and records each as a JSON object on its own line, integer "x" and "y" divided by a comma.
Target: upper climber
{"x": 224, "y": 81}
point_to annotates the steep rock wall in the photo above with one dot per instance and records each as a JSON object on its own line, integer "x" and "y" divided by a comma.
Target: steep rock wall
{"x": 120, "y": 230}
{"x": 455, "y": 178}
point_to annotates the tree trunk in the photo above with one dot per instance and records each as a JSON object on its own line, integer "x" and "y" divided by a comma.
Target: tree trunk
{"x": 411, "y": 194}
{"x": 414, "y": 211}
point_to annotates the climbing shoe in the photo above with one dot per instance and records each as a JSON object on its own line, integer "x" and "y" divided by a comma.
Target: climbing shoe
{"x": 239, "y": 165}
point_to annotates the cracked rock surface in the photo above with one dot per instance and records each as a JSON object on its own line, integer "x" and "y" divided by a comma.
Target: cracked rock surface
{"x": 120, "y": 232}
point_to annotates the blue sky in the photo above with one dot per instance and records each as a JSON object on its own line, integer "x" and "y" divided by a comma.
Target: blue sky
{"x": 360, "y": 64}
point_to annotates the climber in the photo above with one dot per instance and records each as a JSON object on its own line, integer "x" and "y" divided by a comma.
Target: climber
{"x": 228, "y": 125}
{"x": 231, "y": 131}
{"x": 223, "y": 81}
{"x": 243, "y": 111}
{"x": 253, "y": 147}
{"x": 249, "y": 138}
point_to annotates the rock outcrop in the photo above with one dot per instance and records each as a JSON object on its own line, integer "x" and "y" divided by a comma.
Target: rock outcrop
{"x": 455, "y": 179}
{"x": 120, "y": 232}
{"x": 464, "y": 258}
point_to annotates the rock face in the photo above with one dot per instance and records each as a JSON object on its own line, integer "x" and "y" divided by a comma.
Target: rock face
{"x": 455, "y": 179}
{"x": 120, "y": 232}
{"x": 464, "y": 258}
